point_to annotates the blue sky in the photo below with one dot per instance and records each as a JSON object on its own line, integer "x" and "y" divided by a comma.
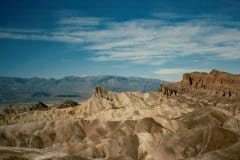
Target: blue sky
{"x": 155, "y": 39}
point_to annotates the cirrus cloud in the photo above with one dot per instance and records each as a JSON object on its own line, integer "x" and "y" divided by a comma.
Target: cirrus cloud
{"x": 150, "y": 41}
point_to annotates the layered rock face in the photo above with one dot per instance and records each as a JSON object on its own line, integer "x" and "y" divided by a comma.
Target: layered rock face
{"x": 194, "y": 123}
{"x": 222, "y": 83}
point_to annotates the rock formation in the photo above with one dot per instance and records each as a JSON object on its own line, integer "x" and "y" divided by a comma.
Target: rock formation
{"x": 221, "y": 83}
{"x": 65, "y": 104}
{"x": 184, "y": 120}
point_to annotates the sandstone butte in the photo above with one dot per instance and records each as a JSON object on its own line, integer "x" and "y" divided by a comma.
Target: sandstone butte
{"x": 195, "y": 119}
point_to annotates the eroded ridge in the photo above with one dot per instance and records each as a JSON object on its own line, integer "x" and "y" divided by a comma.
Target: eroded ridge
{"x": 191, "y": 119}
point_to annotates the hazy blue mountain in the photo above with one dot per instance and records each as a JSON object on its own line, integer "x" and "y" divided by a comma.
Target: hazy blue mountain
{"x": 21, "y": 90}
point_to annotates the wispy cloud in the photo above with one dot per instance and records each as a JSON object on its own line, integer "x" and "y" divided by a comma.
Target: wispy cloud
{"x": 149, "y": 41}
{"x": 170, "y": 15}
{"x": 17, "y": 30}
{"x": 81, "y": 21}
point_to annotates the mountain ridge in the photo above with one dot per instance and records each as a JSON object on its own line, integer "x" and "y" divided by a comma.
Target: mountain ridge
{"x": 20, "y": 90}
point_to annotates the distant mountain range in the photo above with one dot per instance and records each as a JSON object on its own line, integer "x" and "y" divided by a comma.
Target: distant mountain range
{"x": 23, "y": 90}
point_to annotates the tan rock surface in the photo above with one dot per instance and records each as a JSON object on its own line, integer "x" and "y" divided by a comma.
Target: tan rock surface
{"x": 194, "y": 123}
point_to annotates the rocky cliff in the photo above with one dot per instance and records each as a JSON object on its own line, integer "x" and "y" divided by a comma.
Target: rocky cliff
{"x": 221, "y": 83}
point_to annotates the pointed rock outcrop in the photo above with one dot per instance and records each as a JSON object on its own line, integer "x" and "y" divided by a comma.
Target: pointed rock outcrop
{"x": 100, "y": 91}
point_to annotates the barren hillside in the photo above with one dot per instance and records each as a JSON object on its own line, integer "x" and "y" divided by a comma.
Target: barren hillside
{"x": 197, "y": 118}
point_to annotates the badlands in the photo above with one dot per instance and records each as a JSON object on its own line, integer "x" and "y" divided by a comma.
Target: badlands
{"x": 195, "y": 119}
